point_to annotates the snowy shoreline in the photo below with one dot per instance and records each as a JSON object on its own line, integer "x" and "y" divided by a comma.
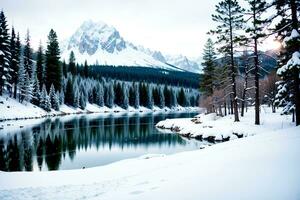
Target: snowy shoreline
{"x": 11, "y": 109}
{"x": 214, "y": 128}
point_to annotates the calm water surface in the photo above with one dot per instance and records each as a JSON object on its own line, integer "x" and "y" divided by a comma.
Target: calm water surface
{"x": 74, "y": 142}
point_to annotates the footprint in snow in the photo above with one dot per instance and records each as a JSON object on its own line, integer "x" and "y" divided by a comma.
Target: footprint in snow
{"x": 136, "y": 192}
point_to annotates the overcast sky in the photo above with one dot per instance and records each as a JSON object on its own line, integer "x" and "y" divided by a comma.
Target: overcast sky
{"x": 171, "y": 26}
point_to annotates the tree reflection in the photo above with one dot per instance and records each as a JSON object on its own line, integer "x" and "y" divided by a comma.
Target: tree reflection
{"x": 52, "y": 141}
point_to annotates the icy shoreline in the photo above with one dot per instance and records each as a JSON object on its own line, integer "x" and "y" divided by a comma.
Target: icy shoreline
{"x": 214, "y": 128}
{"x": 11, "y": 109}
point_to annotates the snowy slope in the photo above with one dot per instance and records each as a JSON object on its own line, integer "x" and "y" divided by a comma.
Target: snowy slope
{"x": 184, "y": 63}
{"x": 99, "y": 43}
{"x": 265, "y": 166}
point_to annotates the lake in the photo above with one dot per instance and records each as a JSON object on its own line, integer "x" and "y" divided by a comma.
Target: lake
{"x": 83, "y": 141}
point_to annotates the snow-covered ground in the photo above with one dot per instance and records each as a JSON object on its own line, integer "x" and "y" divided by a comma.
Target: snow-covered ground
{"x": 265, "y": 166}
{"x": 223, "y": 128}
{"x": 11, "y": 109}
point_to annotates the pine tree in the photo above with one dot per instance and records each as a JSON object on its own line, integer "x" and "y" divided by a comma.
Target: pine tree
{"x": 4, "y": 54}
{"x": 36, "y": 91}
{"x": 53, "y": 68}
{"x": 28, "y": 88}
{"x": 111, "y": 95}
{"x": 173, "y": 98}
{"x": 61, "y": 97}
{"x": 54, "y": 98}
{"x": 45, "y": 102}
{"x": 150, "y": 102}
{"x": 21, "y": 83}
{"x": 69, "y": 96}
{"x": 82, "y": 101}
{"x": 161, "y": 97}
{"x": 209, "y": 65}
{"x": 137, "y": 96}
{"x": 76, "y": 94}
{"x": 14, "y": 62}
{"x": 86, "y": 69}
{"x": 230, "y": 19}
{"x": 27, "y": 56}
{"x": 65, "y": 68}
{"x": 99, "y": 95}
{"x": 256, "y": 30}
{"x": 40, "y": 65}
{"x": 167, "y": 95}
{"x": 181, "y": 98}
{"x": 288, "y": 32}
{"x": 72, "y": 63}
{"x": 125, "y": 95}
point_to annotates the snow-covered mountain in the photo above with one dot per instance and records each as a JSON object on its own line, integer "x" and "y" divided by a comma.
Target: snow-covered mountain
{"x": 99, "y": 43}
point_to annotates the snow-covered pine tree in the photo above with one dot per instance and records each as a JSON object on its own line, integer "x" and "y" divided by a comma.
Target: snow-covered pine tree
{"x": 53, "y": 98}
{"x": 137, "y": 96}
{"x": 61, "y": 97}
{"x": 15, "y": 48}
{"x": 99, "y": 99}
{"x": 57, "y": 95}
{"x": 40, "y": 65}
{"x": 35, "y": 91}
{"x": 125, "y": 96}
{"x": 167, "y": 95}
{"x": 53, "y": 68}
{"x": 4, "y": 54}
{"x": 86, "y": 69}
{"x": 17, "y": 60}
{"x": 173, "y": 97}
{"x": 76, "y": 95}
{"x": 72, "y": 63}
{"x": 150, "y": 102}
{"x": 161, "y": 97}
{"x": 27, "y": 56}
{"x": 288, "y": 32}
{"x": 28, "y": 88}
{"x": 207, "y": 80}
{"x": 12, "y": 61}
{"x": 111, "y": 94}
{"x": 229, "y": 16}
{"x": 182, "y": 98}
{"x": 45, "y": 102}
{"x": 21, "y": 83}
{"x": 69, "y": 96}
{"x": 82, "y": 101}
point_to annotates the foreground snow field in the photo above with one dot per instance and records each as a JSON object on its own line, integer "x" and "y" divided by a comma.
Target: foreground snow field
{"x": 10, "y": 109}
{"x": 265, "y": 166}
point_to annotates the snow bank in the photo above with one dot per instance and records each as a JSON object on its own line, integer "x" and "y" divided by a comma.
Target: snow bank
{"x": 11, "y": 109}
{"x": 212, "y": 127}
{"x": 265, "y": 166}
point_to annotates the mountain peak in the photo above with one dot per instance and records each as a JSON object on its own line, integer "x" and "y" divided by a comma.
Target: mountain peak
{"x": 91, "y": 36}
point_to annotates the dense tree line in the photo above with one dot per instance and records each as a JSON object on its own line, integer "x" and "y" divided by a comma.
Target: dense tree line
{"x": 234, "y": 80}
{"x": 40, "y": 78}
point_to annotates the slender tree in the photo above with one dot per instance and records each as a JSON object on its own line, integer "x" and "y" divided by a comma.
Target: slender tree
{"x": 72, "y": 63}
{"x": 4, "y": 53}
{"x": 53, "y": 67}
{"x": 257, "y": 31}
{"x": 27, "y": 56}
{"x": 209, "y": 65}
{"x": 230, "y": 19}
{"x": 14, "y": 62}
{"x": 40, "y": 65}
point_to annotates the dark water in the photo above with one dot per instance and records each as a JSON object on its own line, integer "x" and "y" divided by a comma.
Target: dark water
{"x": 87, "y": 141}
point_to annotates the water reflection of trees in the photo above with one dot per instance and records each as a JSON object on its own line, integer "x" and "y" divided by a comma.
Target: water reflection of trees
{"x": 51, "y": 141}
